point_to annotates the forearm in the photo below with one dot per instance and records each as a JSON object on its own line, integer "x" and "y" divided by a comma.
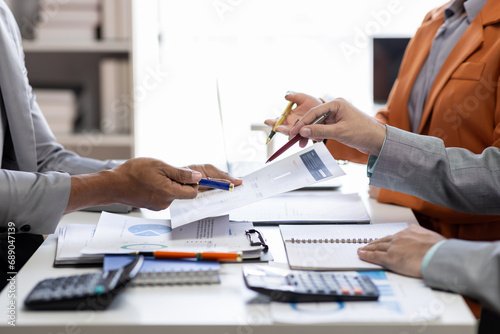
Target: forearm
{"x": 421, "y": 166}
{"x": 469, "y": 268}
{"x": 94, "y": 189}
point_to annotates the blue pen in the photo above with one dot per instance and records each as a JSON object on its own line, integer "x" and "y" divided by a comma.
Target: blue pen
{"x": 218, "y": 184}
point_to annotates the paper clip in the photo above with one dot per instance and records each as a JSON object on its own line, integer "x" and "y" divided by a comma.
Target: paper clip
{"x": 260, "y": 242}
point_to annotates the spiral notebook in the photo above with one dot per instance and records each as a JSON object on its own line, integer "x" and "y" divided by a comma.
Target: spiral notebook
{"x": 332, "y": 247}
{"x": 168, "y": 272}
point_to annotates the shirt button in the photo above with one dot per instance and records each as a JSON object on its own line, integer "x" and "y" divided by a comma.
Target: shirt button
{"x": 25, "y": 228}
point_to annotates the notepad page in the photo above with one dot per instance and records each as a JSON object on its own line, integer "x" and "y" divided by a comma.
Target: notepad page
{"x": 330, "y": 247}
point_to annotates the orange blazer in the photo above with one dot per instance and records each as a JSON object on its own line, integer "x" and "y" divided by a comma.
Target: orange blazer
{"x": 463, "y": 109}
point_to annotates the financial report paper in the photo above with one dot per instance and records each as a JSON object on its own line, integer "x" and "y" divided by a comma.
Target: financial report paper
{"x": 309, "y": 166}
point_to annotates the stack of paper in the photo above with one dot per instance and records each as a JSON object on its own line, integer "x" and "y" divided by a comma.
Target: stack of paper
{"x": 122, "y": 234}
{"x": 71, "y": 240}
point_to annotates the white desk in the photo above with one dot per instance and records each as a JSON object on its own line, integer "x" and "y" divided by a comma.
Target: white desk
{"x": 226, "y": 308}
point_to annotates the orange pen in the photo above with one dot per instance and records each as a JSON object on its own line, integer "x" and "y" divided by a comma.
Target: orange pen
{"x": 217, "y": 256}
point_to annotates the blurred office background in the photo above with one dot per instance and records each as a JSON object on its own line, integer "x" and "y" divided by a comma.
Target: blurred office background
{"x": 193, "y": 81}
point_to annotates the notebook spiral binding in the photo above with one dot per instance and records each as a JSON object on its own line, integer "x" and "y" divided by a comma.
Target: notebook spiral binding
{"x": 332, "y": 241}
{"x": 176, "y": 278}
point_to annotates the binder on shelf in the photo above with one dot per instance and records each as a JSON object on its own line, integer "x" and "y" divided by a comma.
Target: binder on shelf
{"x": 59, "y": 106}
{"x": 116, "y": 20}
{"x": 116, "y": 106}
{"x": 77, "y": 20}
{"x": 168, "y": 272}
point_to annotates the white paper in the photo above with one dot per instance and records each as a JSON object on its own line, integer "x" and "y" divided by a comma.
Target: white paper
{"x": 326, "y": 247}
{"x": 322, "y": 206}
{"x": 304, "y": 168}
{"x": 117, "y": 234}
{"x": 72, "y": 238}
{"x": 402, "y": 299}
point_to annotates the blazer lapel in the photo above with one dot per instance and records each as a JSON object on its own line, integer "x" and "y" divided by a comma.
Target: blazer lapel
{"x": 16, "y": 100}
{"x": 412, "y": 64}
{"x": 468, "y": 43}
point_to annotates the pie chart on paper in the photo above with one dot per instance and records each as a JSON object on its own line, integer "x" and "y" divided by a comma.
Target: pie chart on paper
{"x": 149, "y": 230}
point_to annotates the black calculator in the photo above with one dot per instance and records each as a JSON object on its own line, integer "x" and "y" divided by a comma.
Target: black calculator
{"x": 93, "y": 291}
{"x": 310, "y": 286}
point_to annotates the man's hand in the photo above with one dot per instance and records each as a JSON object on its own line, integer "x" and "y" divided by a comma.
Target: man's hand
{"x": 304, "y": 103}
{"x": 402, "y": 252}
{"x": 346, "y": 124}
{"x": 142, "y": 182}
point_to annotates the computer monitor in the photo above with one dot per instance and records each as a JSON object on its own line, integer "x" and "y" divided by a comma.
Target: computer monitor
{"x": 387, "y": 55}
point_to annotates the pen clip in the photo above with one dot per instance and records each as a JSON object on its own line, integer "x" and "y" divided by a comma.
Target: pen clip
{"x": 260, "y": 242}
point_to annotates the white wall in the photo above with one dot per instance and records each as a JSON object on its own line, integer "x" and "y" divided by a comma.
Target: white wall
{"x": 258, "y": 50}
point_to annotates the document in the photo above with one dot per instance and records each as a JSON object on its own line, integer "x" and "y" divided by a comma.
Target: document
{"x": 402, "y": 299}
{"x": 71, "y": 239}
{"x": 322, "y": 207}
{"x": 121, "y": 234}
{"x": 304, "y": 168}
{"x": 332, "y": 247}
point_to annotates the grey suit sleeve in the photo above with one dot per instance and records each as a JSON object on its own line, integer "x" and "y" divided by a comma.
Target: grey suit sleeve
{"x": 470, "y": 268}
{"x": 35, "y": 200}
{"x": 421, "y": 166}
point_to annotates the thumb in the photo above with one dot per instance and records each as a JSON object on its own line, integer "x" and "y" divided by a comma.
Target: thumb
{"x": 183, "y": 175}
{"x": 298, "y": 98}
{"x": 316, "y": 131}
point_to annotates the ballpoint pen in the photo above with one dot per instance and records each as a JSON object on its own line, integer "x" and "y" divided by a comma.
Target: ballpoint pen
{"x": 297, "y": 137}
{"x": 218, "y": 184}
{"x": 216, "y": 256}
{"x": 280, "y": 121}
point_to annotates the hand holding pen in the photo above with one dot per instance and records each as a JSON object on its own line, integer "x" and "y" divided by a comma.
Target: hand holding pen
{"x": 303, "y": 103}
{"x": 320, "y": 119}
{"x": 212, "y": 177}
{"x": 346, "y": 124}
{"x": 280, "y": 121}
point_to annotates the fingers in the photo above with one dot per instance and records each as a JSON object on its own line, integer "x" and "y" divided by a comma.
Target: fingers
{"x": 311, "y": 115}
{"x": 270, "y": 122}
{"x": 294, "y": 97}
{"x": 182, "y": 175}
{"x": 372, "y": 256}
{"x": 216, "y": 173}
{"x": 376, "y": 247}
{"x": 211, "y": 171}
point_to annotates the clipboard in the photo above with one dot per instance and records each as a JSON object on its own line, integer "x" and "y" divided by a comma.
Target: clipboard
{"x": 250, "y": 241}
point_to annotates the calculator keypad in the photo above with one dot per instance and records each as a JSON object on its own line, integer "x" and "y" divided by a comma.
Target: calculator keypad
{"x": 332, "y": 283}
{"x": 311, "y": 286}
{"x": 59, "y": 291}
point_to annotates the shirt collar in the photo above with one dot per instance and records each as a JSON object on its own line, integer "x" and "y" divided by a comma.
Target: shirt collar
{"x": 472, "y": 8}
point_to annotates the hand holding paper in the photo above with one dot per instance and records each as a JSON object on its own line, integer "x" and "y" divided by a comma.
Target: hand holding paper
{"x": 304, "y": 168}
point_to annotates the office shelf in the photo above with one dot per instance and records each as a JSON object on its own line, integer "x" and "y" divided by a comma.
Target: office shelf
{"x": 100, "y": 74}
{"x": 79, "y": 47}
